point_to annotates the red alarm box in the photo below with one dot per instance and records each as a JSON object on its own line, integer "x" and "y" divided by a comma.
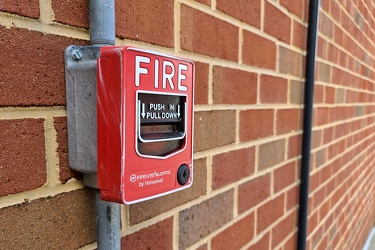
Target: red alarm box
{"x": 144, "y": 124}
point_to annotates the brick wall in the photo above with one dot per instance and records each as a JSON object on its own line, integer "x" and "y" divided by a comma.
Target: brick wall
{"x": 341, "y": 211}
{"x": 250, "y": 61}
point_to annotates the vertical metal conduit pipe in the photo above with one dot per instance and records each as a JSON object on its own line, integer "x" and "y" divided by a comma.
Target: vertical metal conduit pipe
{"x": 102, "y": 32}
{"x": 102, "y": 22}
{"x": 307, "y": 123}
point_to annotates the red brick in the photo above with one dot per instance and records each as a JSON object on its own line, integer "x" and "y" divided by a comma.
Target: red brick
{"x": 316, "y": 140}
{"x": 333, "y": 53}
{"x": 343, "y": 58}
{"x": 338, "y": 35}
{"x": 321, "y": 116}
{"x": 73, "y": 12}
{"x": 312, "y": 222}
{"x": 287, "y": 121}
{"x": 146, "y": 21}
{"x": 236, "y": 236}
{"x": 233, "y": 86}
{"x": 201, "y": 83}
{"x": 273, "y": 89}
{"x": 318, "y": 93}
{"x": 292, "y": 198}
{"x": 318, "y": 197}
{"x": 269, "y": 213}
{"x": 294, "y": 6}
{"x": 209, "y": 124}
{"x": 204, "y": 34}
{"x": 325, "y": 26}
{"x": 245, "y": 11}
{"x": 283, "y": 229}
{"x": 296, "y": 94}
{"x": 290, "y": 62}
{"x": 324, "y": 209}
{"x": 328, "y": 135}
{"x": 320, "y": 157}
{"x": 62, "y": 149}
{"x": 270, "y": 154}
{"x": 325, "y": 5}
{"x": 22, "y": 155}
{"x": 330, "y": 95}
{"x": 255, "y": 124}
{"x": 317, "y": 236}
{"x": 284, "y": 176}
{"x": 145, "y": 210}
{"x": 294, "y": 146}
{"x": 341, "y": 130}
{"x": 337, "y": 75}
{"x": 33, "y": 72}
{"x": 28, "y": 8}
{"x": 65, "y": 221}
{"x": 306, "y": 12}
{"x": 200, "y": 220}
{"x": 253, "y": 192}
{"x": 314, "y": 181}
{"x": 263, "y": 243}
{"x": 157, "y": 236}
{"x": 276, "y": 23}
{"x": 258, "y": 51}
{"x": 299, "y": 35}
{"x": 324, "y": 72}
{"x": 335, "y": 10}
{"x": 232, "y": 166}
{"x": 322, "y": 48}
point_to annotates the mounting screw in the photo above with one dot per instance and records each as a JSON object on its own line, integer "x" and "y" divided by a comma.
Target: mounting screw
{"x": 183, "y": 174}
{"x": 77, "y": 55}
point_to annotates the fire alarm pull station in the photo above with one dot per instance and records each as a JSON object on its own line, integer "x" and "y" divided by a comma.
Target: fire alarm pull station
{"x": 144, "y": 124}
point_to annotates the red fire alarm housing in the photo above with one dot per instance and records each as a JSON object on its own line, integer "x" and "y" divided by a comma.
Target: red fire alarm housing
{"x": 144, "y": 124}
